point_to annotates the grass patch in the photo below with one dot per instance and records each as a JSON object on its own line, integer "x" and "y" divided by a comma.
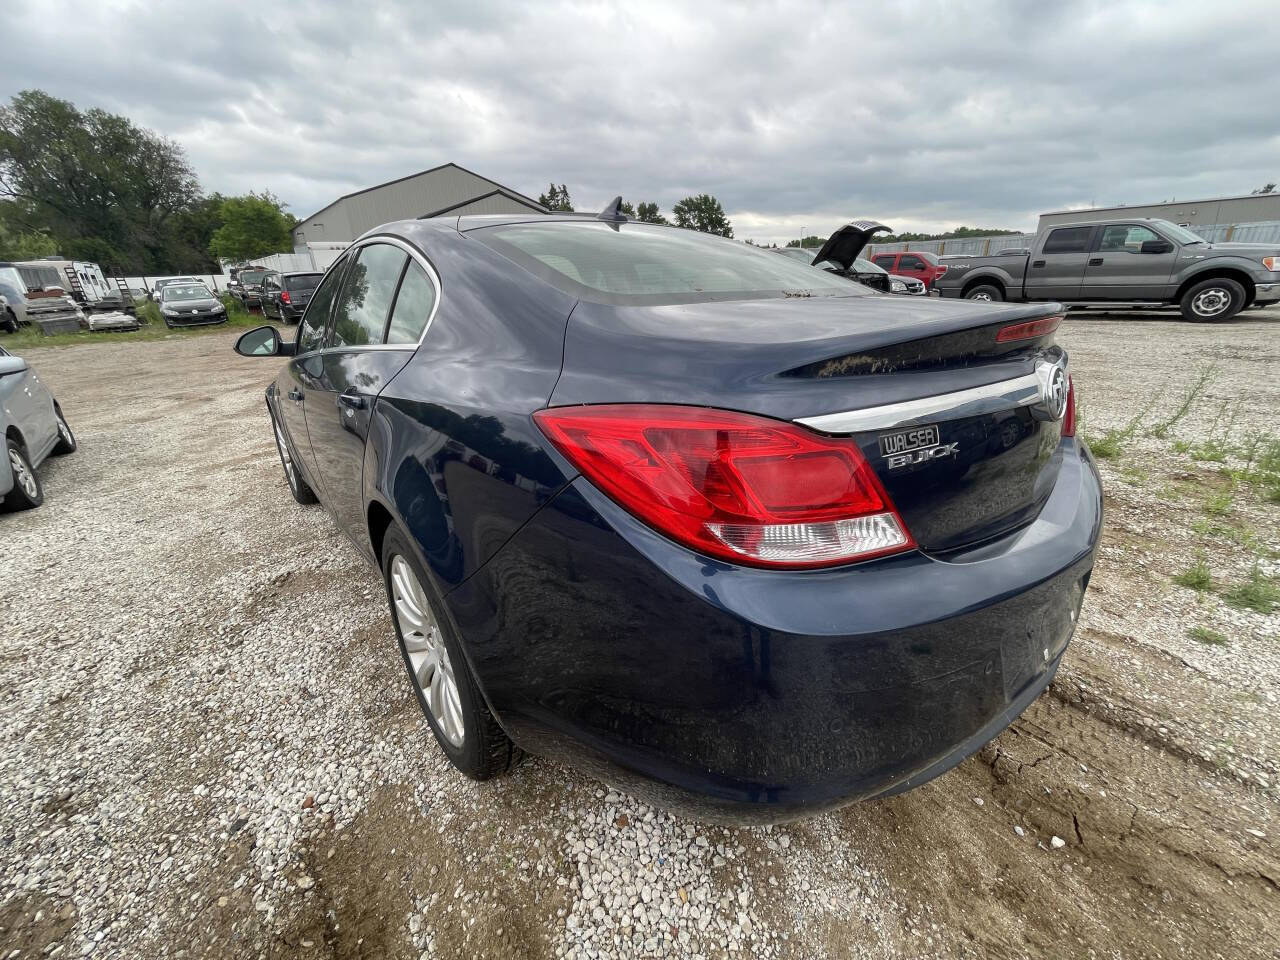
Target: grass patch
{"x": 1204, "y": 377}
{"x": 1259, "y": 593}
{"x": 1209, "y": 636}
{"x": 1195, "y": 577}
{"x": 1133, "y": 476}
{"x": 1219, "y": 505}
{"x": 153, "y": 328}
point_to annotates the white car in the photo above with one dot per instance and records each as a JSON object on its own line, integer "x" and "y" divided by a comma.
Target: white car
{"x": 33, "y": 427}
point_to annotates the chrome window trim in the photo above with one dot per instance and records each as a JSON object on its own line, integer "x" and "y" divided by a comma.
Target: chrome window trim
{"x": 414, "y": 254}
{"x": 1023, "y": 391}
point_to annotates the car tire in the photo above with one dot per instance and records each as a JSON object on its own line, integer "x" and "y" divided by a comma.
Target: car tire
{"x": 985, "y": 291}
{"x": 66, "y": 438}
{"x": 1212, "y": 301}
{"x": 452, "y": 703}
{"x": 27, "y": 490}
{"x": 299, "y": 487}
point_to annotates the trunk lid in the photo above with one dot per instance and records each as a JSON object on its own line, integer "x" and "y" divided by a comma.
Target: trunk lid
{"x": 844, "y": 246}
{"x": 959, "y": 471}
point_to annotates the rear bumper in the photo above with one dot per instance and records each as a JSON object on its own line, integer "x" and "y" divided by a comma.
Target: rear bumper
{"x": 752, "y": 695}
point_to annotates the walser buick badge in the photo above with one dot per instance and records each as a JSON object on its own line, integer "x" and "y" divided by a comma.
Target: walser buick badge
{"x": 906, "y": 448}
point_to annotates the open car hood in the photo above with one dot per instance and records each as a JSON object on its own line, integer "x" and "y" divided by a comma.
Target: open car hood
{"x": 845, "y": 244}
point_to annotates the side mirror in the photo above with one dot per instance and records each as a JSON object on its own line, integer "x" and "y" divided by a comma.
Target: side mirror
{"x": 1155, "y": 246}
{"x": 260, "y": 342}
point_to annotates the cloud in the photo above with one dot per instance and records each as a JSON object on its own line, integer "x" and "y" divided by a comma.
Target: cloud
{"x": 794, "y": 114}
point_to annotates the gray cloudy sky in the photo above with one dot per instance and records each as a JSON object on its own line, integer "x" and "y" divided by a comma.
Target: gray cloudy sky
{"x": 798, "y": 114}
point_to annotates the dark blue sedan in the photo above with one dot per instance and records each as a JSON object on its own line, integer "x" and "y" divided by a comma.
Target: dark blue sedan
{"x": 732, "y": 533}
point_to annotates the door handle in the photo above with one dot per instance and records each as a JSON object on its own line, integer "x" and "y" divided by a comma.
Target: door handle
{"x": 1037, "y": 263}
{"x": 295, "y": 394}
{"x": 1095, "y": 262}
{"x": 352, "y": 400}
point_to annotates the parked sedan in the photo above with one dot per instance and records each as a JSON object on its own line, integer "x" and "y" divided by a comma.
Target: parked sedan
{"x": 733, "y": 533}
{"x": 33, "y": 428}
{"x": 190, "y": 304}
{"x": 285, "y": 295}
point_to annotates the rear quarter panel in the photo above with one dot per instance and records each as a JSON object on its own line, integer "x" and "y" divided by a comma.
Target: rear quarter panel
{"x": 453, "y": 453}
{"x": 960, "y": 273}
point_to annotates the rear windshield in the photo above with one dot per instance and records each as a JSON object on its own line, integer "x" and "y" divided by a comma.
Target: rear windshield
{"x": 638, "y": 263}
{"x": 303, "y": 283}
{"x": 252, "y": 276}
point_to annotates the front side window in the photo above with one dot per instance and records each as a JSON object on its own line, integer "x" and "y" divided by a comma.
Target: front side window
{"x": 360, "y": 314}
{"x": 910, "y": 262}
{"x": 1126, "y": 238}
{"x": 1068, "y": 240}
{"x": 413, "y": 306}
{"x": 635, "y": 263}
{"x": 311, "y": 329}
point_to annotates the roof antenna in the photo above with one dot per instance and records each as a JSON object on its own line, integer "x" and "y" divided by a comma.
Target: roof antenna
{"x": 613, "y": 211}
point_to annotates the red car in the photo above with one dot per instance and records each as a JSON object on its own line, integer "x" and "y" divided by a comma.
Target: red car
{"x": 923, "y": 266}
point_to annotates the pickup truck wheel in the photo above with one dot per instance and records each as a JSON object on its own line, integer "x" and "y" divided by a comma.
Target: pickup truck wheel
{"x": 1213, "y": 300}
{"x": 985, "y": 291}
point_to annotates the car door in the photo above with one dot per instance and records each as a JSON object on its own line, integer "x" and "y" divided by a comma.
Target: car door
{"x": 305, "y": 368}
{"x": 271, "y": 295}
{"x": 913, "y": 265}
{"x": 1056, "y": 270}
{"x": 28, "y": 406}
{"x": 356, "y": 363}
{"x": 1119, "y": 269}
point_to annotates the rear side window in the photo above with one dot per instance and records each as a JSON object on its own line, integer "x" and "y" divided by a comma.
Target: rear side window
{"x": 360, "y": 314}
{"x": 303, "y": 283}
{"x": 885, "y": 261}
{"x": 638, "y": 263}
{"x": 311, "y": 329}
{"x": 1068, "y": 240}
{"x": 413, "y": 306}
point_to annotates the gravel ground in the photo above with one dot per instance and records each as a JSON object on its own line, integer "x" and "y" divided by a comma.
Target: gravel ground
{"x": 210, "y": 748}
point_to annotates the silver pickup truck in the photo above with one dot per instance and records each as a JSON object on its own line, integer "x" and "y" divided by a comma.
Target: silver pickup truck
{"x": 1134, "y": 262}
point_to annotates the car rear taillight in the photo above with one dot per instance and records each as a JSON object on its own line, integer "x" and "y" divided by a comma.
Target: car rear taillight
{"x": 732, "y": 485}
{"x": 1028, "y": 330}
{"x": 284, "y": 296}
{"x": 1069, "y": 418}
{"x": 939, "y": 270}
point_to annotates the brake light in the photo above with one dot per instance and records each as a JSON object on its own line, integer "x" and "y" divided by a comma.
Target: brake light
{"x": 732, "y": 485}
{"x": 1069, "y": 418}
{"x": 939, "y": 270}
{"x": 284, "y": 296}
{"x": 1028, "y": 330}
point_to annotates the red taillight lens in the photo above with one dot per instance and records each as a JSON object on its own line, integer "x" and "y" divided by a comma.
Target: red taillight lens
{"x": 284, "y": 296}
{"x": 939, "y": 270}
{"x": 1029, "y": 330}
{"x": 1069, "y": 418}
{"x": 732, "y": 485}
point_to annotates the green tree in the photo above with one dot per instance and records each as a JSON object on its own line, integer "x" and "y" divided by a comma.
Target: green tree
{"x": 191, "y": 232}
{"x": 18, "y": 241}
{"x": 556, "y": 198}
{"x": 253, "y": 226}
{"x": 807, "y": 242}
{"x": 1265, "y": 188}
{"x": 955, "y": 234}
{"x": 626, "y": 207}
{"x": 703, "y": 213}
{"x": 649, "y": 213}
{"x": 103, "y": 188}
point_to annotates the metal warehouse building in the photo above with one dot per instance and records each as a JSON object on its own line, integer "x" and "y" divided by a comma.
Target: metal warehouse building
{"x": 444, "y": 190}
{"x": 1252, "y": 208}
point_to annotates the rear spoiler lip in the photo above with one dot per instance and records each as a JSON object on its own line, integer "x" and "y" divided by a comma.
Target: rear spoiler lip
{"x": 1001, "y": 396}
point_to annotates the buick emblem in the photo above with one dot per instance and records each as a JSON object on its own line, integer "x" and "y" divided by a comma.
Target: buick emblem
{"x": 1052, "y": 403}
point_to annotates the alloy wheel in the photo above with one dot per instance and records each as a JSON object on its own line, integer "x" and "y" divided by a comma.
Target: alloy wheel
{"x": 424, "y": 646}
{"x": 64, "y": 431}
{"x": 23, "y": 475}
